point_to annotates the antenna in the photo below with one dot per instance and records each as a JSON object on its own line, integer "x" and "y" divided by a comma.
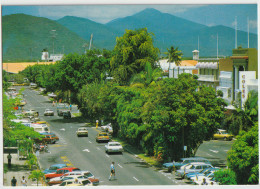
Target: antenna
{"x": 247, "y": 32}
{"x": 198, "y": 43}
{"x": 236, "y": 33}
{"x": 90, "y": 41}
{"x": 217, "y": 45}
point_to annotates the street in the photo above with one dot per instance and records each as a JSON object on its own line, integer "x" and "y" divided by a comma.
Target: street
{"x": 86, "y": 154}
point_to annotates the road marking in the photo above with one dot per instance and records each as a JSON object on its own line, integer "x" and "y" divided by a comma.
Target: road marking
{"x": 215, "y": 151}
{"x": 90, "y": 142}
{"x": 98, "y": 148}
{"x": 136, "y": 179}
{"x": 107, "y": 155}
{"x": 209, "y": 154}
{"x": 86, "y": 150}
{"x": 119, "y": 165}
{"x": 63, "y": 157}
{"x": 62, "y": 129}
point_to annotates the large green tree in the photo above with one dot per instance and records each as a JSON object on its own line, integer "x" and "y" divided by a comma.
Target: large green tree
{"x": 243, "y": 158}
{"x": 131, "y": 53}
{"x": 174, "y": 55}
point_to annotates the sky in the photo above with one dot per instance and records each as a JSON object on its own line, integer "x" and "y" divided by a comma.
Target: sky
{"x": 207, "y": 14}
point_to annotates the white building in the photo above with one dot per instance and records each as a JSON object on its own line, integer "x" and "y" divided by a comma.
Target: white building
{"x": 55, "y": 57}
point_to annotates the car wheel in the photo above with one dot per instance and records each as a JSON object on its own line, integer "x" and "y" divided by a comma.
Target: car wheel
{"x": 87, "y": 135}
{"x": 225, "y": 138}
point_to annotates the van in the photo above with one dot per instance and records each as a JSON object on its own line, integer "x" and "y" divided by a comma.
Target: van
{"x": 40, "y": 128}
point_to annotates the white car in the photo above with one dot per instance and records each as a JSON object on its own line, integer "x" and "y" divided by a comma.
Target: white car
{"x": 107, "y": 128}
{"x": 82, "y": 131}
{"x": 113, "y": 147}
{"x": 49, "y": 112}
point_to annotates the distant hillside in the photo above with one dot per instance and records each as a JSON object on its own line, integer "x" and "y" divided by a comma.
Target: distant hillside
{"x": 171, "y": 30}
{"x": 24, "y": 37}
{"x": 103, "y": 36}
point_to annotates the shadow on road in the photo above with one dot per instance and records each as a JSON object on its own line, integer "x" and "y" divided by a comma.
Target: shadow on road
{"x": 139, "y": 164}
{"x": 72, "y": 120}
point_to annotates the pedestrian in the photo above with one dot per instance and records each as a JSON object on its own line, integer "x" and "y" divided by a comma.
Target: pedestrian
{"x": 23, "y": 181}
{"x": 9, "y": 157}
{"x": 13, "y": 182}
{"x": 204, "y": 182}
{"x": 70, "y": 107}
{"x": 53, "y": 103}
{"x": 112, "y": 170}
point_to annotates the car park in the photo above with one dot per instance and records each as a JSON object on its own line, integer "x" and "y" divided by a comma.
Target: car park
{"x": 43, "y": 122}
{"x": 222, "y": 135}
{"x": 113, "y": 147}
{"x": 209, "y": 179}
{"x": 48, "y": 112}
{"x": 47, "y": 138}
{"x": 177, "y": 165}
{"x": 201, "y": 173}
{"x": 102, "y": 136}
{"x": 191, "y": 168}
{"x": 82, "y": 131}
{"x": 56, "y": 138}
{"x": 53, "y": 168}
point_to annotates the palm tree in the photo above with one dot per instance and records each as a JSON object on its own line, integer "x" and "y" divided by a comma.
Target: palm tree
{"x": 174, "y": 55}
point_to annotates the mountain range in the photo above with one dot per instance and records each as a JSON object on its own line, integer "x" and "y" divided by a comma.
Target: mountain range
{"x": 25, "y": 36}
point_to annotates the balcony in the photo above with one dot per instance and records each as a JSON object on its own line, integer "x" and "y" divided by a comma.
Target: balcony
{"x": 208, "y": 78}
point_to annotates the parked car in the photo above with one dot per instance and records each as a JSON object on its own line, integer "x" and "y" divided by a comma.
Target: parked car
{"x": 209, "y": 179}
{"x": 82, "y": 131}
{"x": 191, "y": 168}
{"x": 102, "y": 137}
{"x": 184, "y": 161}
{"x": 60, "y": 172}
{"x": 222, "y": 134}
{"x": 201, "y": 173}
{"x": 43, "y": 122}
{"x": 52, "y": 134}
{"x": 74, "y": 175}
{"x": 48, "y": 112}
{"x": 66, "y": 114}
{"x": 107, "y": 128}
{"x": 113, "y": 147}
{"x": 53, "y": 168}
{"x": 74, "y": 182}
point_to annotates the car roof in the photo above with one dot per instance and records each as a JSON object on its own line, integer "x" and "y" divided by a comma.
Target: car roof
{"x": 113, "y": 143}
{"x": 102, "y": 133}
{"x": 67, "y": 168}
{"x": 193, "y": 158}
{"x": 59, "y": 164}
{"x": 198, "y": 163}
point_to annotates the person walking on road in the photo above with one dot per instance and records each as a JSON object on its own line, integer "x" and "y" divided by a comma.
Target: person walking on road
{"x": 9, "y": 157}
{"x": 23, "y": 182}
{"x": 113, "y": 171}
{"x": 13, "y": 181}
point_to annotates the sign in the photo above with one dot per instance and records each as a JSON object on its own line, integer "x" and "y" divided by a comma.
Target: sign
{"x": 244, "y": 80}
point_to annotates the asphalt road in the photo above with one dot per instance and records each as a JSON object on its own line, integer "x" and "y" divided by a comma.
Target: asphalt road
{"x": 86, "y": 154}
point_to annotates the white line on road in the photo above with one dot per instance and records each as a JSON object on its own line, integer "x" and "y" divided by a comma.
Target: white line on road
{"x": 62, "y": 129}
{"x": 86, "y": 150}
{"x": 209, "y": 154}
{"x": 89, "y": 141}
{"x": 136, "y": 179}
{"x": 98, "y": 148}
{"x": 107, "y": 155}
{"x": 215, "y": 151}
{"x": 119, "y": 165}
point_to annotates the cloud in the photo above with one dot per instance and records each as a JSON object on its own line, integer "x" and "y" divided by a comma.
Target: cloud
{"x": 106, "y": 13}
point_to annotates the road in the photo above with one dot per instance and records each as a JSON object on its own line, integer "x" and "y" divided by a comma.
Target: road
{"x": 86, "y": 154}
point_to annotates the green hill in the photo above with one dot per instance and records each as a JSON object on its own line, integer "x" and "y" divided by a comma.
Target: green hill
{"x": 24, "y": 37}
{"x": 103, "y": 36}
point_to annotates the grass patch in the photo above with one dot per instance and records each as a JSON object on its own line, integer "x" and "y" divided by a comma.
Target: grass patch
{"x": 76, "y": 114}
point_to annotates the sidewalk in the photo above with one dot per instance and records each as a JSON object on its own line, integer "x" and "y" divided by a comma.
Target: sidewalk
{"x": 18, "y": 170}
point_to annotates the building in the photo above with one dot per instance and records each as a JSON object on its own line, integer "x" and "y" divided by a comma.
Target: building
{"x": 55, "y": 57}
{"x": 208, "y": 72}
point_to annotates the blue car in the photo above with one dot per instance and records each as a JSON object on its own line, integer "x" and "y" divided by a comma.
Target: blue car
{"x": 184, "y": 161}
{"x": 201, "y": 173}
{"x": 53, "y": 168}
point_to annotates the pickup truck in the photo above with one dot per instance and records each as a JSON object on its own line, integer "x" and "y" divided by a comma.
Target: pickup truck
{"x": 60, "y": 172}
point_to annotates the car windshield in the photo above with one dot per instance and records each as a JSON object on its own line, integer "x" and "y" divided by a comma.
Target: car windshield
{"x": 103, "y": 135}
{"x": 88, "y": 174}
{"x": 115, "y": 144}
{"x": 53, "y": 168}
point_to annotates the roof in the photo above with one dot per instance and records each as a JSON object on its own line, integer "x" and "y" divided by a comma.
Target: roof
{"x": 166, "y": 65}
{"x": 17, "y": 67}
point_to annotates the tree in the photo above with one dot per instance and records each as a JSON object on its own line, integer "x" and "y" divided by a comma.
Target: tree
{"x": 174, "y": 55}
{"x": 243, "y": 158}
{"x": 131, "y": 53}
{"x": 36, "y": 175}
{"x": 225, "y": 177}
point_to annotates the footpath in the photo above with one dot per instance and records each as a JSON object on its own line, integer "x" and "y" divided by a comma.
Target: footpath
{"x": 18, "y": 169}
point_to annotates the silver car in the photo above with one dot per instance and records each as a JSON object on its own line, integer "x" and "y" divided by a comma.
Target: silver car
{"x": 192, "y": 168}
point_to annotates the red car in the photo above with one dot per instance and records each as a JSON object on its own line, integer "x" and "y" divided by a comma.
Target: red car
{"x": 60, "y": 172}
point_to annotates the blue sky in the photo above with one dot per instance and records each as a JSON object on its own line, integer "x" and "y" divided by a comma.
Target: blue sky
{"x": 210, "y": 15}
